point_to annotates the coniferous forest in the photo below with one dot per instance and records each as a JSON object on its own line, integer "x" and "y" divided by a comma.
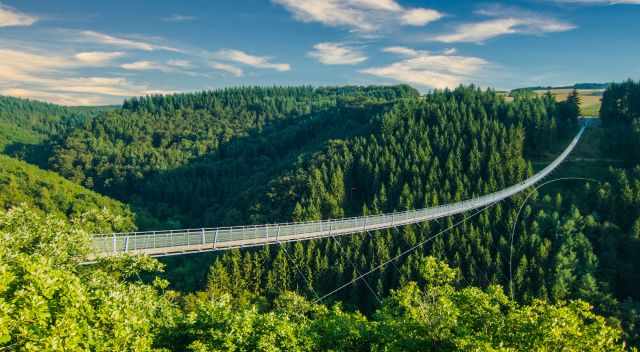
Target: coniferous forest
{"x": 557, "y": 273}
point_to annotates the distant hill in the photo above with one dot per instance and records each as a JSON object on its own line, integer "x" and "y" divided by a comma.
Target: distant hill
{"x": 24, "y": 121}
{"x": 575, "y": 86}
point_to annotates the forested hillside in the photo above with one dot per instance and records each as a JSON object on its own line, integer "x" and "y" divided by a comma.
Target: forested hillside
{"x": 26, "y": 126}
{"x": 621, "y": 115}
{"x": 24, "y": 184}
{"x": 24, "y": 121}
{"x": 258, "y": 155}
{"x": 205, "y": 149}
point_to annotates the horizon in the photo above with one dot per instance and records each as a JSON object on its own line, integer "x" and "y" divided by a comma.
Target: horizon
{"x": 69, "y": 53}
{"x": 124, "y": 99}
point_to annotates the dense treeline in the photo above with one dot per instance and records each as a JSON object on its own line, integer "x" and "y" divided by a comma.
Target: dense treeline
{"x": 193, "y": 125}
{"x": 228, "y": 142}
{"x": 26, "y": 126}
{"x": 30, "y": 122}
{"x": 616, "y": 203}
{"x": 620, "y": 113}
{"x": 268, "y": 101}
{"x": 50, "y": 303}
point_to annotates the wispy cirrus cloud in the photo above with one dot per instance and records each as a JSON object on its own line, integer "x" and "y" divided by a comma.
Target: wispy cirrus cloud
{"x": 503, "y": 21}
{"x": 60, "y": 98}
{"x": 171, "y": 66}
{"x": 431, "y": 70}
{"x": 98, "y": 57}
{"x": 236, "y": 71}
{"x": 121, "y": 42}
{"x": 145, "y": 66}
{"x": 179, "y": 18}
{"x": 244, "y": 58}
{"x": 180, "y": 63}
{"x": 10, "y": 17}
{"x": 359, "y": 15}
{"x": 56, "y": 78}
{"x": 336, "y": 54}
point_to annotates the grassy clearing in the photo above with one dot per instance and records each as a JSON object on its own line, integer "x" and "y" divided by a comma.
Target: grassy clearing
{"x": 591, "y": 99}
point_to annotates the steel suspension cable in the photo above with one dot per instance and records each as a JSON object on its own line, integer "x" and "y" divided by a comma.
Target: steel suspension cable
{"x": 378, "y": 267}
{"x": 515, "y": 223}
{"x": 357, "y": 272}
{"x": 297, "y": 269}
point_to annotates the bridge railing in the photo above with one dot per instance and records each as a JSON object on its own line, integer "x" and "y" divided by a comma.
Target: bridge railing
{"x": 246, "y": 235}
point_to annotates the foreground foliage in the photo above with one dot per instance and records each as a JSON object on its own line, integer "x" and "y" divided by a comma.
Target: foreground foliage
{"x": 49, "y": 302}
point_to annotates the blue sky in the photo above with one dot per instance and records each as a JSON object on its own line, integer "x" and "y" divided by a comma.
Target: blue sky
{"x": 99, "y": 52}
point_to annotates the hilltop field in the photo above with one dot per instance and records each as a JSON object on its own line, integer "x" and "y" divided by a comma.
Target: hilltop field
{"x": 591, "y": 99}
{"x": 590, "y": 95}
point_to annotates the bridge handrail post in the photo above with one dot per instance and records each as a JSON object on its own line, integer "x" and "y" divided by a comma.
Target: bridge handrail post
{"x": 278, "y": 233}
{"x": 126, "y": 244}
{"x": 114, "y": 244}
{"x": 204, "y": 240}
{"x": 215, "y": 238}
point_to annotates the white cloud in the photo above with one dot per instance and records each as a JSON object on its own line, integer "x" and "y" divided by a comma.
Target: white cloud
{"x": 98, "y": 58}
{"x": 329, "y": 12}
{"x": 171, "y": 66}
{"x": 179, "y": 18}
{"x": 359, "y": 15}
{"x": 236, "y": 71}
{"x": 9, "y": 17}
{"x": 420, "y": 17}
{"x": 52, "y": 97}
{"x": 143, "y": 66}
{"x": 386, "y": 5}
{"x": 105, "y": 39}
{"x": 481, "y": 31}
{"x": 429, "y": 70}
{"x": 505, "y": 21}
{"x": 250, "y": 60}
{"x": 53, "y": 77}
{"x": 401, "y": 50}
{"x": 336, "y": 54}
{"x": 180, "y": 63}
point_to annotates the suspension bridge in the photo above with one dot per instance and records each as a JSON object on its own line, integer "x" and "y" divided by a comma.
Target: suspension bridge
{"x": 178, "y": 242}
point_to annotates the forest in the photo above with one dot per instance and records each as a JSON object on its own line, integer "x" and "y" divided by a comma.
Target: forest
{"x": 566, "y": 280}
